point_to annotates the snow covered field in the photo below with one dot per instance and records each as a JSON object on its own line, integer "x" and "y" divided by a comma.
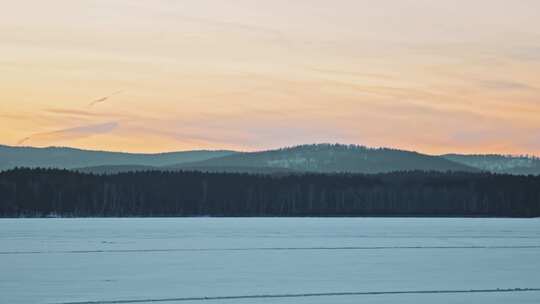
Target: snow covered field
{"x": 270, "y": 260}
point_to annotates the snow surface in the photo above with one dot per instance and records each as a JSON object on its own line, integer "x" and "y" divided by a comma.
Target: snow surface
{"x": 78, "y": 260}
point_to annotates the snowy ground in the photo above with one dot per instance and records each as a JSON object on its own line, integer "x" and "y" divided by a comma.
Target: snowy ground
{"x": 275, "y": 260}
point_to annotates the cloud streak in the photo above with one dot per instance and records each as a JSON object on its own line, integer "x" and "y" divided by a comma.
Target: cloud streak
{"x": 505, "y": 85}
{"x": 103, "y": 99}
{"x": 69, "y": 134}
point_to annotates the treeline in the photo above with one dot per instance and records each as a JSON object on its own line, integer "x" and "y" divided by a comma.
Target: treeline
{"x": 48, "y": 192}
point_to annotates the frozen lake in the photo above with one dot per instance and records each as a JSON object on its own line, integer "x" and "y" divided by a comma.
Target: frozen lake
{"x": 270, "y": 260}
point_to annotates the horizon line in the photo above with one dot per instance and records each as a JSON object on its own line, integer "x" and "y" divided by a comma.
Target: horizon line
{"x": 270, "y": 149}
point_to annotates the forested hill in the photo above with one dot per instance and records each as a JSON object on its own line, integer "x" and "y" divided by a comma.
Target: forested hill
{"x": 522, "y": 165}
{"x": 320, "y": 158}
{"x": 332, "y": 158}
{"x": 46, "y": 192}
{"x": 69, "y": 158}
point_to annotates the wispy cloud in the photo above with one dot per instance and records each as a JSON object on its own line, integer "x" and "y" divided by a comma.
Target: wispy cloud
{"x": 68, "y": 134}
{"x": 24, "y": 140}
{"x": 72, "y": 112}
{"x": 349, "y": 73}
{"x": 526, "y": 53}
{"x": 505, "y": 85}
{"x": 75, "y": 114}
{"x": 103, "y": 99}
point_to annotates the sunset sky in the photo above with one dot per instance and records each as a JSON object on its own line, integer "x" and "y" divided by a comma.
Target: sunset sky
{"x": 164, "y": 75}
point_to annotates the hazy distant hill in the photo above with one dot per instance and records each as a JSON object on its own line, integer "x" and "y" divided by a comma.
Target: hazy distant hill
{"x": 499, "y": 163}
{"x": 69, "y": 158}
{"x": 217, "y": 169}
{"x": 231, "y": 169}
{"x": 112, "y": 169}
{"x": 323, "y": 158}
{"x": 329, "y": 158}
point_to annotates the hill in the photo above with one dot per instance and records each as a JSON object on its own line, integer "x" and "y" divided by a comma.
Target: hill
{"x": 331, "y": 158}
{"x": 319, "y": 158}
{"x": 70, "y": 158}
{"x": 519, "y": 165}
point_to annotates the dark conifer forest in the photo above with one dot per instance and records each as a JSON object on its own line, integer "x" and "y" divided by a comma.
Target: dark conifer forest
{"x": 52, "y": 192}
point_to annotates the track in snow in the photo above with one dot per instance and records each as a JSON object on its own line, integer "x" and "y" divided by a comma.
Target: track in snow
{"x": 263, "y": 249}
{"x": 301, "y": 295}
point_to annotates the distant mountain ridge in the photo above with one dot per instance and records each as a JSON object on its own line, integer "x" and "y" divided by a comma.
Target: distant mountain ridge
{"x": 316, "y": 158}
{"x": 71, "y": 158}
{"x": 332, "y": 158}
{"x": 519, "y": 165}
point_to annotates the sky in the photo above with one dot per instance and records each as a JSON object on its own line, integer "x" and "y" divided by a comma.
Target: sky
{"x": 162, "y": 75}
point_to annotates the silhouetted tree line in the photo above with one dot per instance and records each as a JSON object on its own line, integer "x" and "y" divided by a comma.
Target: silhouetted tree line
{"x": 46, "y": 192}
